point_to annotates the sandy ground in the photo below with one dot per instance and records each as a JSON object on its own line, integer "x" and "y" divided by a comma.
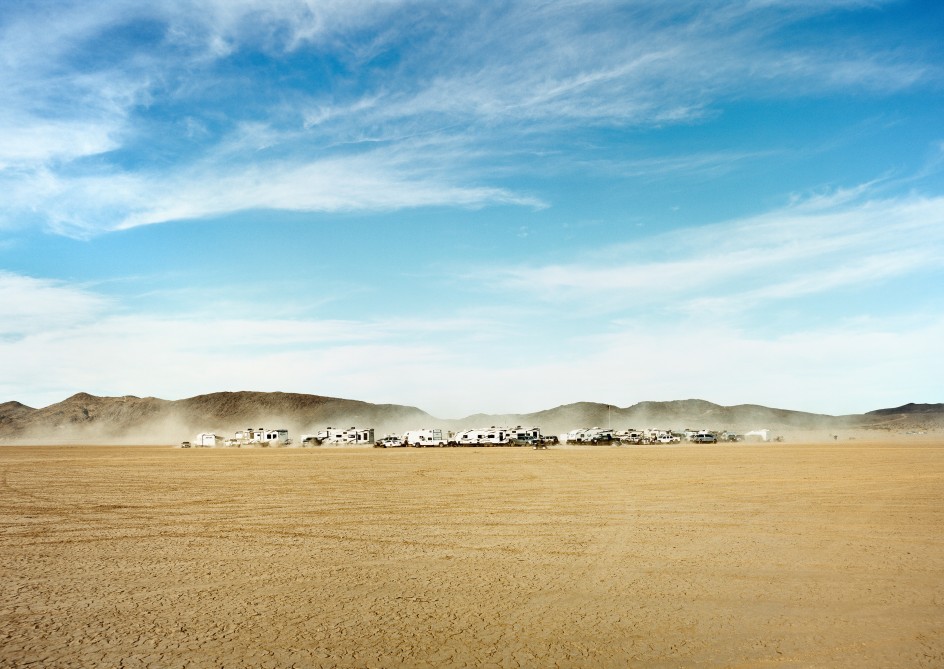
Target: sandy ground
{"x": 717, "y": 556}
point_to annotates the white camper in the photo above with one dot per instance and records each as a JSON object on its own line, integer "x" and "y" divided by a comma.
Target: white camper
{"x": 492, "y": 436}
{"x": 207, "y": 440}
{"x": 593, "y": 435}
{"x": 524, "y": 435}
{"x": 757, "y": 435}
{"x": 574, "y": 436}
{"x": 263, "y": 437}
{"x": 428, "y": 437}
{"x": 333, "y": 436}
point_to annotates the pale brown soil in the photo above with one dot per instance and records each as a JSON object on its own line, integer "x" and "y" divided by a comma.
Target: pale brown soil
{"x": 718, "y": 556}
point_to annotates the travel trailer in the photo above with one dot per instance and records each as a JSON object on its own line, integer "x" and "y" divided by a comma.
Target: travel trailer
{"x": 593, "y": 435}
{"x": 262, "y": 437}
{"x": 332, "y": 436}
{"x": 524, "y": 436}
{"x": 492, "y": 436}
{"x": 427, "y": 437}
{"x": 207, "y": 440}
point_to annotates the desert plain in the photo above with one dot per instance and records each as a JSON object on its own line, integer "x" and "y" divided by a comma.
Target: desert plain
{"x": 786, "y": 555}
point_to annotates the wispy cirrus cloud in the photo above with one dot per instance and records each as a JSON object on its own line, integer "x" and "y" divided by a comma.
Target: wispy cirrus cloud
{"x": 813, "y": 246}
{"x": 106, "y": 107}
{"x": 34, "y": 305}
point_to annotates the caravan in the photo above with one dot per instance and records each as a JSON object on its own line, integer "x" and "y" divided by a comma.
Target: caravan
{"x": 428, "y": 437}
{"x": 492, "y": 436}
{"x": 332, "y": 436}
{"x": 262, "y": 437}
{"x": 207, "y": 440}
{"x": 525, "y": 436}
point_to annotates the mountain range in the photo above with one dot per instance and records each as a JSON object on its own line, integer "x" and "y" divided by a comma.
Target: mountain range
{"x": 85, "y": 418}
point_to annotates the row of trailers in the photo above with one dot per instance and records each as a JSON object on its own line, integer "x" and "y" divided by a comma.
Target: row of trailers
{"x": 436, "y": 437}
{"x": 490, "y": 436}
{"x": 262, "y": 437}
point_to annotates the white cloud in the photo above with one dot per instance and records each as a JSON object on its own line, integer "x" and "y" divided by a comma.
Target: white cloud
{"x": 31, "y": 306}
{"x": 473, "y": 79}
{"x": 812, "y": 246}
{"x": 60, "y": 339}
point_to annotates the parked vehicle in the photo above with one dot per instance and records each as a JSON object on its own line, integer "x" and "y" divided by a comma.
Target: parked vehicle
{"x": 524, "y": 436}
{"x": 704, "y": 438}
{"x": 333, "y": 436}
{"x": 432, "y": 437}
{"x": 592, "y": 435}
{"x": 390, "y": 441}
{"x": 492, "y": 436}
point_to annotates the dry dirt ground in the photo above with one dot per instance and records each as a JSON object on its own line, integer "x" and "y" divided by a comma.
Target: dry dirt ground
{"x": 714, "y": 556}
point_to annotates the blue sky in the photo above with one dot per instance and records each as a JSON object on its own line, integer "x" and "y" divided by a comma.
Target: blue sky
{"x": 474, "y": 206}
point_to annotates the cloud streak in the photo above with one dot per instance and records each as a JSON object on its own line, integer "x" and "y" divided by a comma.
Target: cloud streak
{"x": 472, "y": 82}
{"x": 812, "y": 246}
{"x": 439, "y": 363}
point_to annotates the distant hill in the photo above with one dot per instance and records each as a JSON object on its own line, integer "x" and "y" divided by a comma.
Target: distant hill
{"x": 85, "y": 418}
{"x": 909, "y": 416}
{"x": 909, "y": 410}
{"x": 680, "y": 414}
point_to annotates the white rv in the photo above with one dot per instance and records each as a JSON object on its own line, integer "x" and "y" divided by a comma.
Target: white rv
{"x": 263, "y": 437}
{"x": 333, "y": 436}
{"x": 574, "y": 436}
{"x": 207, "y": 440}
{"x": 592, "y": 435}
{"x": 524, "y": 435}
{"x": 492, "y": 436}
{"x": 428, "y": 437}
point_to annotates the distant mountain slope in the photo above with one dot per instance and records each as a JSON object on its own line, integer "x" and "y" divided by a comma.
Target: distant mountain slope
{"x": 909, "y": 409}
{"x": 129, "y": 419}
{"x": 85, "y": 418}
{"x": 909, "y": 416}
{"x": 680, "y": 414}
